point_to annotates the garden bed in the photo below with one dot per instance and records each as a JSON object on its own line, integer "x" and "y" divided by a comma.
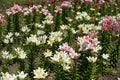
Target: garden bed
{"x": 60, "y": 40}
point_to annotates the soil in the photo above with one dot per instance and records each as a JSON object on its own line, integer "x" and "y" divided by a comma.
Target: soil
{"x": 112, "y": 76}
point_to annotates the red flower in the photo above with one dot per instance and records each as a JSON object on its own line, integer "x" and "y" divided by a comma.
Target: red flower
{"x": 29, "y": 3}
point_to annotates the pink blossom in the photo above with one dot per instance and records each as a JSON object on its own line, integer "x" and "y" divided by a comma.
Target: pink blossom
{"x": 64, "y": 47}
{"x": 95, "y": 41}
{"x": 58, "y": 9}
{"x": 34, "y": 7}
{"x": 2, "y": 20}
{"x": 87, "y": 39}
{"x": 15, "y": 9}
{"x": 8, "y": 12}
{"x": 89, "y": 46}
{"x": 26, "y": 13}
{"x": 66, "y": 4}
{"x": 93, "y": 33}
{"x": 107, "y": 23}
{"x": 72, "y": 53}
{"x": 45, "y": 11}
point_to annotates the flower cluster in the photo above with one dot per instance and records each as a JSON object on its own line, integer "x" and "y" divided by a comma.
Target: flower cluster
{"x": 7, "y": 76}
{"x": 87, "y": 42}
{"x": 14, "y": 10}
{"x": 37, "y": 39}
{"x": 111, "y": 23}
{"x": 86, "y": 28}
{"x": 58, "y": 9}
{"x": 66, "y": 4}
{"x": 69, "y": 50}
{"x": 7, "y": 55}
{"x": 8, "y": 38}
{"x": 55, "y": 37}
{"x": 27, "y": 11}
{"x": 48, "y": 20}
{"x": 20, "y": 52}
{"x": 62, "y": 58}
{"x": 82, "y": 16}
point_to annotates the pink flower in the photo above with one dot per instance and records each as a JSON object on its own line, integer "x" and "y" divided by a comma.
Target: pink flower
{"x": 72, "y": 53}
{"x": 15, "y": 9}
{"x": 66, "y": 4}
{"x": 58, "y": 9}
{"x": 64, "y": 47}
{"x": 93, "y": 33}
{"x": 26, "y": 13}
{"x": 34, "y": 7}
{"x": 107, "y": 23}
{"x": 2, "y": 20}
{"x": 8, "y": 12}
{"x": 87, "y": 39}
{"x": 89, "y": 46}
{"x": 45, "y": 11}
{"x": 95, "y": 41}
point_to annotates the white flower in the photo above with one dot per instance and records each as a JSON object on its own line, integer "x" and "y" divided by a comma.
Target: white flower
{"x": 22, "y": 56}
{"x": 37, "y": 40}
{"x": 8, "y": 38}
{"x": 80, "y": 42}
{"x": 48, "y": 20}
{"x": 55, "y": 37}
{"x": 40, "y": 32}
{"x": 7, "y": 55}
{"x": 40, "y": 73}
{"x": 9, "y": 35}
{"x": 7, "y": 76}
{"x": 66, "y": 67}
{"x": 20, "y": 52}
{"x": 63, "y": 58}
{"x": 17, "y": 34}
{"x": 105, "y": 56}
{"x": 6, "y": 41}
{"x": 48, "y": 53}
{"x": 56, "y": 57}
{"x": 11, "y": 40}
{"x": 97, "y": 48}
{"x": 73, "y": 30}
{"x": 64, "y": 27}
{"x": 22, "y": 75}
{"x": 25, "y": 29}
{"x": 91, "y": 59}
{"x": 39, "y": 25}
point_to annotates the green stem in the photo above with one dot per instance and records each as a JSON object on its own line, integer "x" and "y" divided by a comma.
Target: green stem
{"x": 16, "y": 22}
